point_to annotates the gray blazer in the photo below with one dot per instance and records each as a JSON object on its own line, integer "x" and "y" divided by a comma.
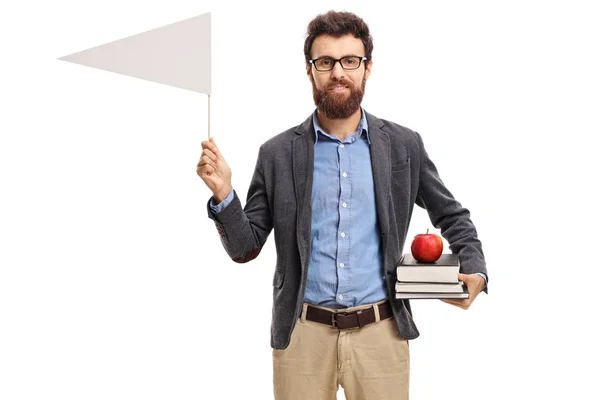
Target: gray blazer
{"x": 279, "y": 198}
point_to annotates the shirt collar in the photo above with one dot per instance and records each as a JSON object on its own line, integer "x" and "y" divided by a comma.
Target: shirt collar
{"x": 363, "y": 126}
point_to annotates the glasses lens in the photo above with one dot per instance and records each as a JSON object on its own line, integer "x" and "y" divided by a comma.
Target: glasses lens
{"x": 350, "y": 62}
{"x": 324, "y": 64}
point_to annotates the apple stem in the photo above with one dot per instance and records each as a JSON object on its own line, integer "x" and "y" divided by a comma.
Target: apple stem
{"x": 427, "y": 231}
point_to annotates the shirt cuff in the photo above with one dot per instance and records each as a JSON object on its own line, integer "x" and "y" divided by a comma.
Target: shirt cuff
{"x": 217, "y": 208}
{"x": 483, "y": 276}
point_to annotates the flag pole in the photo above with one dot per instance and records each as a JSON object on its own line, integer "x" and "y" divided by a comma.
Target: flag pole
{"x": 209, "y": 117}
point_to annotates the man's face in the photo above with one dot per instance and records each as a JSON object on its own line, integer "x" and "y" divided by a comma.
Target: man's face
{"x": 338, "y": 93}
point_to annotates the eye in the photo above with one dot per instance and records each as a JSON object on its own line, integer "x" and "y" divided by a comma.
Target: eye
{"x": 350, "y": 61}
{"x": 325, "y": 62}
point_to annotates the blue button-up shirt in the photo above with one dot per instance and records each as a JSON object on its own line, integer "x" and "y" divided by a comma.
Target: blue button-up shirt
{"x": 346, "y": 262}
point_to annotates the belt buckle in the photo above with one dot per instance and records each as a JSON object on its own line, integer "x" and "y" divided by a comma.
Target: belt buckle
{"x": 333, "y": 321}
{"x": 345, "y": 313}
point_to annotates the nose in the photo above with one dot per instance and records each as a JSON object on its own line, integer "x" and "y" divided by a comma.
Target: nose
{"x": 338, "y": 71}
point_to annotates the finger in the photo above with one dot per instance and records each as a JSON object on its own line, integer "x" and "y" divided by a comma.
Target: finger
{"x": 461, "y": 277}
{"x": 204, "y": 160}
{"x": 472, "y": 295}
{"x": 473, "y": 288}
{"x": 206, "y": 145}
{"x": 206, "y": 171}
{"x": 202, "y": 173}
{"x": 202, "y": 169}
{"x": 209, "y": 154}
{"x": 450, "y": 301}
{"x": 464, "y": 304}
{"x": 213, "y": 146}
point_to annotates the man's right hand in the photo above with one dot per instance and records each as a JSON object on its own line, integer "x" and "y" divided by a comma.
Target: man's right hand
{"x": 214, "y": 171}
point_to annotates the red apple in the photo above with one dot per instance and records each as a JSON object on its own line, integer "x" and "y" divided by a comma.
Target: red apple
{"x": 427, "y": 247}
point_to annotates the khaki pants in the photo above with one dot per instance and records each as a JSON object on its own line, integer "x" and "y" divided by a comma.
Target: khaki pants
{"x": 370, "y": 363}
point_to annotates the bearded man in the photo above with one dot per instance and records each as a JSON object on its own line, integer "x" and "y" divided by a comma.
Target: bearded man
{"x": 338, "y": 191}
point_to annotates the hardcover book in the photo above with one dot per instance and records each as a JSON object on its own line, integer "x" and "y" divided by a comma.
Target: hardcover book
{"x": 444, "y": 270}
{"x": 421, "y": 295}
{"x": 409, "y": 287}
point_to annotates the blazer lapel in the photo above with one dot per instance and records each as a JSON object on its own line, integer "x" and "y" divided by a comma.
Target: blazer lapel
{"x": 303, "y": 169}
{"x": 381, "y": 163}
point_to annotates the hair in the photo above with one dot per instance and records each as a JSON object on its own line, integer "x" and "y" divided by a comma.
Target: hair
{"x": 338, "y": 24}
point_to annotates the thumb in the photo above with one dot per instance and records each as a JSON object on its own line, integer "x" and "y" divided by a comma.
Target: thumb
{"x": 461, "y": 277}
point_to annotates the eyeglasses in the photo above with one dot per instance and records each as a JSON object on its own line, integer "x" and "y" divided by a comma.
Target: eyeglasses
{"x": 347, "y": 63}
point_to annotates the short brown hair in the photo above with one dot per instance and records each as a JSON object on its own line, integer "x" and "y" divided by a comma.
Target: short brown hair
{"x": 338, "y": 24}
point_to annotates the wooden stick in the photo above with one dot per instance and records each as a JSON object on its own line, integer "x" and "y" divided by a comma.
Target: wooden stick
{"x": 209, "y": 117}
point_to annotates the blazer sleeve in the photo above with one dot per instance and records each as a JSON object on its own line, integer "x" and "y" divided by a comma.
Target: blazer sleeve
{"x": 244, "y": 231}
{"x": 448, "y": 215}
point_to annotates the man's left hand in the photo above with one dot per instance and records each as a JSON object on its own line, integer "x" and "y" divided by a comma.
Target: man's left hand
{"x": 475, "y": 283}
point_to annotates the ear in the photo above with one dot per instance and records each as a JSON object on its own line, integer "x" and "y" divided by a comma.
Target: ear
{"x": 309, "y": 73}
{"x": 368, "y": 70}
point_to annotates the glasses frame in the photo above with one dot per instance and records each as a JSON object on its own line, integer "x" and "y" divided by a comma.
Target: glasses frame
{"x": 360, "y": 60}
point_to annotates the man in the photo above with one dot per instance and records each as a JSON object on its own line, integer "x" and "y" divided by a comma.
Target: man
{"x": 338, "y": 191}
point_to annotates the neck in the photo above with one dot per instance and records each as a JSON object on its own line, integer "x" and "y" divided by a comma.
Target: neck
{"x": 340, "y": 128}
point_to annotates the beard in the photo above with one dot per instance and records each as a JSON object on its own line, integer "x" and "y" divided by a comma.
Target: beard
{"x": 338, "y": 105}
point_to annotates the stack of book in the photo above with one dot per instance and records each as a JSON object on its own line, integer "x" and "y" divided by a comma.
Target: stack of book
{"x": 436, "y": 280}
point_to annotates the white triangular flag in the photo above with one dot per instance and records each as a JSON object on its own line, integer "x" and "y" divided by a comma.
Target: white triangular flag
{"x": 178, "y": 54}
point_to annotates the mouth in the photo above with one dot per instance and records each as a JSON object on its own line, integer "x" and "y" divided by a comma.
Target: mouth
{"x": 338, "y": 88}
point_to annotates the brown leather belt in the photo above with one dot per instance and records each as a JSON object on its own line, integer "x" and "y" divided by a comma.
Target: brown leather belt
{"x": 347, "y": 320}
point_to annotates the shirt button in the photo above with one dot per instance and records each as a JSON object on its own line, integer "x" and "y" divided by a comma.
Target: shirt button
{"x": 344, "y": 174}
{"x": 342, "y": 146}
{"x": 340, "y": 297}
{"x": 341, "y": 265}
{"x": 343, "y": 234}
{"x": 344, "y": 205}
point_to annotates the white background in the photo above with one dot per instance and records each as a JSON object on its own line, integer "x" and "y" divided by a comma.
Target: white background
{"x": 113, "y": 281}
